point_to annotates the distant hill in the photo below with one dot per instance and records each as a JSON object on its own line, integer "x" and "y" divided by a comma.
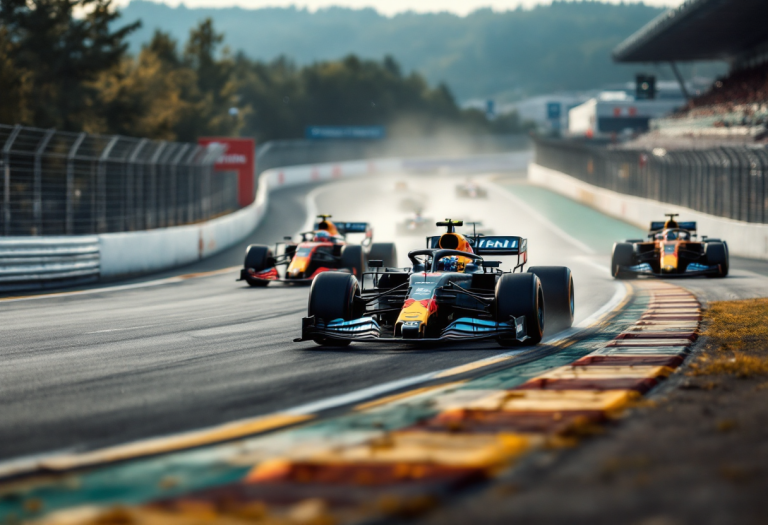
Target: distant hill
{"x": 563, "y": 46}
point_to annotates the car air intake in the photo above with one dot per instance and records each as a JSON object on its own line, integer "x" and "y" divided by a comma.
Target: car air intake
{"x": 449, "y": 241}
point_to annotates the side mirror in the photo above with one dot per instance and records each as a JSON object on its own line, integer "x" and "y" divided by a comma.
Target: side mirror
{"x": 491, "y": 264}
{"x": 375, "y": 264}
{"x": 287, "y": 238}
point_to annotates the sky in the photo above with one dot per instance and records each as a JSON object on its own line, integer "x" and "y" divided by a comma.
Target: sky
{"x": 390, "y": 7}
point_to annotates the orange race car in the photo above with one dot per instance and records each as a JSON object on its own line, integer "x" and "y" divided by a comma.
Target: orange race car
{"x": 450, "y": 293}
{"x": 672, "y": 250}
{"x": 323, "y": 249}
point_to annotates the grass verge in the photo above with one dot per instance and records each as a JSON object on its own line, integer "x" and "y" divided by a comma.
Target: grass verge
{"x": 737, "y": 340}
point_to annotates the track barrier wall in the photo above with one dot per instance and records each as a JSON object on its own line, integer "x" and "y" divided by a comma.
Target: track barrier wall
{"x": 33, "y": 263}
{"x": 743, "y": 238}
{"x": 729, "y": 182}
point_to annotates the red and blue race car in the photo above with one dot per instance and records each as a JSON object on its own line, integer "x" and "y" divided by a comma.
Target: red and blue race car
{"x": 325, "y": 248}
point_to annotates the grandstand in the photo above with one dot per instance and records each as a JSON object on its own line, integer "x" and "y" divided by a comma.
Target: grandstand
{"x": 735, "y": 108}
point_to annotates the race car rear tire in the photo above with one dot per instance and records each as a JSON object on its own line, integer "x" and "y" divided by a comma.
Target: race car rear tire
{"x": 353, "y": 258}
{"x": 332, "y": 297}
{"x": 623, "y": 255}
{"x": 384, "y": 251}
{"x": 258, "y": 257}
{"x": 557, "y": 283}
{"x": 521, "y": 294}
{"x": 717, "y": 254}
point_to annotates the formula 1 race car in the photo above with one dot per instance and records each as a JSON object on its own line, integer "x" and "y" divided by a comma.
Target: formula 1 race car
{"x": 415, "y": 225}
{"x": 471, "y": 190}
{"x": 671, "y": 251}
{"x": 450, "y": 293}
{"x": 323, "y": 249}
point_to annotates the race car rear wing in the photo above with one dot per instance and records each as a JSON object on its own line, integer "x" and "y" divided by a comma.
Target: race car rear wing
{"x": 657, "y": 226}
{"x": 499, "y": 245}
{"x": 489, "y": 244}
{"x": 346, "y": 228}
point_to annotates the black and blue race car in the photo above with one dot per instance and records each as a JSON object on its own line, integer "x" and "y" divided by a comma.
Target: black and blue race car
{"x": 450, "y": 293}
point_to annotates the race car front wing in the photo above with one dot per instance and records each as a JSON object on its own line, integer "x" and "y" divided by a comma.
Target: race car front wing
{"x": 692, "y": 270}
{"x": 272, "y": 275}
{"x": 366, "y": 329}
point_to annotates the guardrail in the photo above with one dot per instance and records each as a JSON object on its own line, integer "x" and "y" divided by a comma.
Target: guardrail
{"x": 39, "y": 263}
{"x": 728, "y": 182}
{"x": 60, "y": 183}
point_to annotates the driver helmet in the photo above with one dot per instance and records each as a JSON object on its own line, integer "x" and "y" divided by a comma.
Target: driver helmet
{"x": 449, "y": 264}
{"x": 322, "y": 236}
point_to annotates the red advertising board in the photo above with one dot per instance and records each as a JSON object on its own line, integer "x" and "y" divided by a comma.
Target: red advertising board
{"x": 239, "y": 156}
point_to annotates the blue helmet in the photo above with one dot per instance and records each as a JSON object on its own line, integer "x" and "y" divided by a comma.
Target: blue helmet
{"x": 448, "y": 264}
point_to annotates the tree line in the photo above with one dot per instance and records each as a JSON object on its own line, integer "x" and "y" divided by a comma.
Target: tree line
{"x": 504, "y": 55}
{"x": 65, "y": 64}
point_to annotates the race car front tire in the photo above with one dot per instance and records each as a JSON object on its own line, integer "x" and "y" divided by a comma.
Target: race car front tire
{"x": 258, "y": 258}
{"x": 384, "y": 251}
{"x": 557, "y": 283}
{"x": 520, "y": 294}
{"x": 332, "y": 297}
{"x": 717, "y": 254}
{"x": 623, "y": 255}
{"x": 353, "y": 258}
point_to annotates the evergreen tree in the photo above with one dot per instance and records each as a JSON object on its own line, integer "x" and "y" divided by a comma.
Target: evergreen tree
{"x": 60, "y": 55}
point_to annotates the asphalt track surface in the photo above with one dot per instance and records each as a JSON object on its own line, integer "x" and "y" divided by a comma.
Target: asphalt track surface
{"x": 144, "y": 359}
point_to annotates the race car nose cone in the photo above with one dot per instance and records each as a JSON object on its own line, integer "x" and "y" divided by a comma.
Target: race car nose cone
{"x": 411, "y": 330}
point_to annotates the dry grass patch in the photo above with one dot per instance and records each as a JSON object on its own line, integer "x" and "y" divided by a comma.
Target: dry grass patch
{"x": 738, "y": 339}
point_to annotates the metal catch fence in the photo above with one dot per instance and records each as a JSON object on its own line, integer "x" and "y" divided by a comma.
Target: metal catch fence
{"x": 60, "y": 183}
{"x": 725, "y": 181}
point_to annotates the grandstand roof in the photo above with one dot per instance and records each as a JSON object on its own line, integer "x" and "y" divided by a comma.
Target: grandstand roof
{"x": 699, "y": 30}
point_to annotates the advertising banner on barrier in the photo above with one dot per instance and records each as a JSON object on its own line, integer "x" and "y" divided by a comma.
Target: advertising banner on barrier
{"x": 240, "y": 157}
{"x": 346, "y": 132}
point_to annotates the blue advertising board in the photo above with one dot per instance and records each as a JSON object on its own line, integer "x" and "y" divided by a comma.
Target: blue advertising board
{"x": 345, "y": 132}
{"x": 490, "y": 109}
{"x": 554, "y": 110}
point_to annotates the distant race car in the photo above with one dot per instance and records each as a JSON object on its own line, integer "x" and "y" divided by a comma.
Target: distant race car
{"x": 671, "y": 251}
{"x": 450, "y": 293}
{"x": 415, "y": 225}
{"x": 471, "y": 190}
{"x": 323, "y": 249}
